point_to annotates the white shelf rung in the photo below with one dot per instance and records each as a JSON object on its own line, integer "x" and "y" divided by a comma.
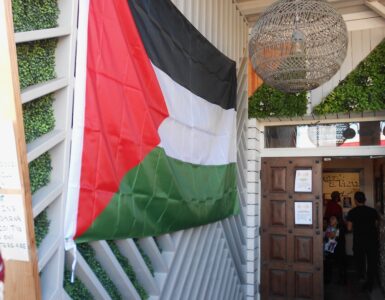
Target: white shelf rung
{"x": 41, "y": 89}
{"x": 46, "y": 251}
{"x": 44, "y": 143}
{"x": 44, "y": 197}
{"x": 29, "y": 36}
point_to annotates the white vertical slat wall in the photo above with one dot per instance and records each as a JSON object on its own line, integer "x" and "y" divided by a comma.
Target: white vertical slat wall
{"x": 208, "y": 262}
{"x": 361, "y": 43}
{"x": 51, "y": 197}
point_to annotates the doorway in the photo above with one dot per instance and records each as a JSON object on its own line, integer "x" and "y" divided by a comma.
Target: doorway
{"x": 292, "y": 250}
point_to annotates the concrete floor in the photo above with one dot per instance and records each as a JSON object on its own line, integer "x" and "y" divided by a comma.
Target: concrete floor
{"x": 352, "y": 290}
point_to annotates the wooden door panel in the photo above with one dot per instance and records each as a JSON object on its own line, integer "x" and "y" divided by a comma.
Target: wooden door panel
{"x": 292, "y": 258}
{"x": 278, "y": 180}
{"x": 278, "y": 247}
{"x": 278, "y": 213}
{"x": 303, "y": 285}
{"x": 303, "y": 249}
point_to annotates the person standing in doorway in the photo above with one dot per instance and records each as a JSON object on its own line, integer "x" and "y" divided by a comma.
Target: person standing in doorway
{"x": 333, "y": 208}
{"x": 363, "y": 221}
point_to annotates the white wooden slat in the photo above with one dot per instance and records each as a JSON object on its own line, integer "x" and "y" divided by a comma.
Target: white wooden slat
{"x": 376, "y": 36}
{"x": 166, "y": 242}
{"x": 45, "y": 196}
{"x": 218, "y": 276}
{"x": 110, "y": 264}
{"x": 209, "y": 281}
{"x": 44, "y": 143}
{"x": 208, "y": 262}
{"x": 195, "y": 246}
{"x": 29, "y": 36}
{"x": 41, "y": 89}
{"x": 225, "y": 282}
{"x": 365, "y": 43}
{"x": 191, "y": 279}
{"x": 228, "y": 286}
{"x": 356, "y": 48}
{"x": 149, "y": 246}
{"x": 208, "y": 20}
{"x": 203, "y": 263}
{"x": 177, "y": 264}
{"x": 130, "y": 251}
{"x": 87, "y": 276}
{"x": 233, "y": 248}
{"x": 215, "y": 23}
{"x": 176, "y": 237}
{"x": 47, "y": 249}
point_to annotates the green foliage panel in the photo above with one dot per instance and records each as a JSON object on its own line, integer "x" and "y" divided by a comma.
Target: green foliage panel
{"x": 36, "y": 61}
{"x": 76, "y": 290}
{"x": 38, "y": 117}
{"x": 362, "y": 90}
{"x": 40, "y": 171}
{"x": 123, "y": 261}
{"x": 34, "y": 14}
{"x": 41, "y": 227}
{"x": 89, "y": 255}
{"x": 269, "y": 102}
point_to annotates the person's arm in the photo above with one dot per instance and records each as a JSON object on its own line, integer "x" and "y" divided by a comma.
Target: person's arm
{"x": 349, "y": 226}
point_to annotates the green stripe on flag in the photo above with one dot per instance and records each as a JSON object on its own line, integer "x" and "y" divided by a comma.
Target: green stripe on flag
{"x": 162, "y": 195}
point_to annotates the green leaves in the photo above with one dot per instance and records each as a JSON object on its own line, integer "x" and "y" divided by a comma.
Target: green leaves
{"x": 362, "y": 90}
{"x": 41, "y": 227}
{"x": 36, "y": 62}
{"x": 34, "y": 14}
{"x": 38, "y": 116}
{"x": 269, "y": 102}
{"x": 123, "y": 261}
{"x": 76, "y": 290}
{"x": 89, "y": 255}
{"x": 40, "y": 171}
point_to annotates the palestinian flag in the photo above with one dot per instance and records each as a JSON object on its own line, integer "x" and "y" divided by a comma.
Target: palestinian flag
{"x": 154, "y": 132}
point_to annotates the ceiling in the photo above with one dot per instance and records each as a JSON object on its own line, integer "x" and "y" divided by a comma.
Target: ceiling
{"x": 358, "y": 14}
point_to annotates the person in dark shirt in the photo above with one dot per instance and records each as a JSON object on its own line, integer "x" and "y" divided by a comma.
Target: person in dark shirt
{"x": 363, "y": 220}
{"x": 333, "y": 208}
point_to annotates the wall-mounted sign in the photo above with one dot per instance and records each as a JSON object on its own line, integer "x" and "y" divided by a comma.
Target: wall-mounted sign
{"x": 303, "y": 181}
{"x": 9, "y": 170}
{"x": 303, "y": 213}
{"x": 13, "y": 235}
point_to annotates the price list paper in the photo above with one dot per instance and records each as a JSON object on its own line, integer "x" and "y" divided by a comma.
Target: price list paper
{"x": 9, "y": 170}
{"x": 13, "y": 235}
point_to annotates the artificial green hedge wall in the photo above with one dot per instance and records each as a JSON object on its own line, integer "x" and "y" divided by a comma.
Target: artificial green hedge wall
{"x": 40, "y": 171}
{"x": 89, "y": 255}
{"x": 36, "y": 61}
{"x": 76, "y": 290}
{"x": 38, "y": 117}
{"x": 34, "y": 14}
{"x": 123, "y": 261}
{"x": 362, "y": 90}
{"x": 269, "y": 102}
{"x": 41, "y": 227}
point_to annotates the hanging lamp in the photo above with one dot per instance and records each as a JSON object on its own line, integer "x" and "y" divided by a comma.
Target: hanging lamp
{"x": 297, "y": 45}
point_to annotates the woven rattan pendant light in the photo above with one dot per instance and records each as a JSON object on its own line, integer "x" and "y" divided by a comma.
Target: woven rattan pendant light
{"x": 297, "y": 45}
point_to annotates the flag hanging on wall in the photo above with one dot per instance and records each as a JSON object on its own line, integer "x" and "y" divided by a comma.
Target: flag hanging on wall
{"x": 154, "y": 130}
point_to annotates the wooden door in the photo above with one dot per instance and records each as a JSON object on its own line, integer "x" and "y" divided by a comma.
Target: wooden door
{"x": 292, "y": 254}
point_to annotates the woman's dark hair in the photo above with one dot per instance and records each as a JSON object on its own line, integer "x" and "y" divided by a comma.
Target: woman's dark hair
{"x": 360, "y": 197}
{"x": 336, "y": 196}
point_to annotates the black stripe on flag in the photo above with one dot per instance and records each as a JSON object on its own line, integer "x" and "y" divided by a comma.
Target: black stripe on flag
{"x": 176, "y": 47}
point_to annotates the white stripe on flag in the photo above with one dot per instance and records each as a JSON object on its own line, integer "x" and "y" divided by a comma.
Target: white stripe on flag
{"x": 71, "y": 209}
{"x": 196, "y": 131}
